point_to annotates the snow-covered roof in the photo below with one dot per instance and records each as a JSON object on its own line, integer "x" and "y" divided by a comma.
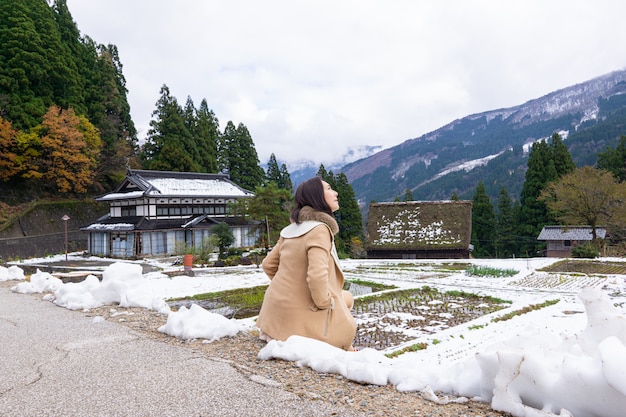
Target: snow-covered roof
{"x": 570, "y": 233}
{"x": 142, "y": 183}
{"x": 109, "y": 227}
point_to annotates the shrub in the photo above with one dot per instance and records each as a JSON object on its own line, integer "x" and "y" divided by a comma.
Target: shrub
{"x": 586, "y": 250}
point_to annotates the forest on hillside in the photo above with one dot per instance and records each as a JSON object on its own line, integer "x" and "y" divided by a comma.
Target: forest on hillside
{"x": 65, "y": 124}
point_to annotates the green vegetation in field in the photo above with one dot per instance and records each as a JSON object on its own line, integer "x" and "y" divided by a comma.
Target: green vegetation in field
{"x": 413, "y": 348}
{"x": 375, "y": 286}
{"x": 470, "y": 295}
{"x": 524, "y": 310}
{"x": 237, "y": 298}
{"x": 486, "y": 271}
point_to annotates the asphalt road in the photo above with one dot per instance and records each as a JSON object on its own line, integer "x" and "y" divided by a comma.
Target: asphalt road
{"x": 57, "y": 362}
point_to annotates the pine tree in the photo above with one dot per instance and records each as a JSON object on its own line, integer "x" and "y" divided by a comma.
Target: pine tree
{"x": 505, "y": 241}
{"x": 408, "y": 195}
{"x": 270, "y": 206}
{"x": 278, "y": 175}
{"x": 169, "y": 145}
{"x": 614, "y": 160}
{"x": 483, "y": 223}
{"x": 109, "y": 111}
{"x": 348, "y": 216}
{"x": 239, "y": 157}
{"x": 285, "y": 179}
{"x": 563, "y": 162}
{"x": 273, "y": 171}
{"x": 31, "y": 64}
{"x": 206, "y": 135}
{"x": 534, "y": 213}
{"x": 546, "y": 163}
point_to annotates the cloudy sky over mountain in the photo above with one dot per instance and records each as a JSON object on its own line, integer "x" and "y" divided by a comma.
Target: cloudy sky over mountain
{"x": 313, "y": 79}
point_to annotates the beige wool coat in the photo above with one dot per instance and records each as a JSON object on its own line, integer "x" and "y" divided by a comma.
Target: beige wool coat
{"x": 305, "y": 296}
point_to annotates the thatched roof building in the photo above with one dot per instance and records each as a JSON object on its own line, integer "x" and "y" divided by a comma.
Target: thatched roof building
{"x": 419, "y": 230}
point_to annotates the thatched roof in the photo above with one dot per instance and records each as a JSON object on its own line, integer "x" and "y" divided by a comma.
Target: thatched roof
{"x": 419, "y": 225}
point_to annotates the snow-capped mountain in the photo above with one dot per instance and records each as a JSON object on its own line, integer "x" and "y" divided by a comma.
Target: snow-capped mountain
{"x": 492, "y": 146}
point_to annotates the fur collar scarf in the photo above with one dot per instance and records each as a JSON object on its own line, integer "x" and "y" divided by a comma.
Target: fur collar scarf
{"x": 308, "y": 213}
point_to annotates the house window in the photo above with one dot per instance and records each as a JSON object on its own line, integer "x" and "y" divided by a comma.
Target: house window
{"x": 129, "y": 211}
{"x": 567, "y": 243}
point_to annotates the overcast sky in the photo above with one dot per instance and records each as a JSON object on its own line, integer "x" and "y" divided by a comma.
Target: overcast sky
{"x": 313, "y": 79}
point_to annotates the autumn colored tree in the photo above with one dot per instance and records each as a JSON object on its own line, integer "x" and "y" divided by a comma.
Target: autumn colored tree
{"x": 8, "y": 144}
{"x": 70, "y": 145}
{"x": 587, "y": 196}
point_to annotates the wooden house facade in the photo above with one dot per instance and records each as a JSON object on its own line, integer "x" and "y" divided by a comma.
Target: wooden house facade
{"x": 560, "y": 240}
{"x": 155, "y": 213}
{"x": 419, "y": 230}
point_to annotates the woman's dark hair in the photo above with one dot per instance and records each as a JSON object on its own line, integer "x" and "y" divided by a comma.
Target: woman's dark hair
{"x": 310, "y": 193}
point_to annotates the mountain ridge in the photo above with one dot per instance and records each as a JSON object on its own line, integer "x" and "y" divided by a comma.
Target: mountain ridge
{"x": 490, "y": 136}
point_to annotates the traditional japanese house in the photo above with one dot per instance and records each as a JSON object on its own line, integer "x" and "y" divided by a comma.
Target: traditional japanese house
{"x": 158, "y": 213}
{"x": 561, "y": 240}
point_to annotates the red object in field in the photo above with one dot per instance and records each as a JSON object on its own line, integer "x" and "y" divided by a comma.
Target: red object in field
{"x": 188, "y": 262}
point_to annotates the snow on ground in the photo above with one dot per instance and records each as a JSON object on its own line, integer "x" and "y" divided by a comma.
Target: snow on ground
{"x": 565, "y": 359}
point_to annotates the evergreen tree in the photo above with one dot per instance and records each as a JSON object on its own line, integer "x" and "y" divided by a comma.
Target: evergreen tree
{"x": 348, "y": 216}
{"x": 239, "y": 157}
{"x": 169, "y": 145}
{"x": 408, "y": 195}
{"x": 563, "y": 162}
{"x": 109, "y": 111}
{"x": 546, "y": 163}
{"x": 323, "y": 174}
{"x": 279, "y": 176}
{"x": 270, "y": 206}
{"x": 505, "y": 240}
{"x": 483, "y": 223}
{"x": 225, "y": 238}
{"x": 533, "y": 212}
{"x": 273, "y": 170}
{"x": 285, "y": 179}
{"x": 614, "y": 160}
{"x": 206, "y": 134}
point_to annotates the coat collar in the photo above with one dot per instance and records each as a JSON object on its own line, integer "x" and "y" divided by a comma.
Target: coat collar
{"x": 308, "y": 219}
{"x": 308, "y": 213}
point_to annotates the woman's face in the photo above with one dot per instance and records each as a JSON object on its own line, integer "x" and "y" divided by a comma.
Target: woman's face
{"x": 330, "y": 196}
